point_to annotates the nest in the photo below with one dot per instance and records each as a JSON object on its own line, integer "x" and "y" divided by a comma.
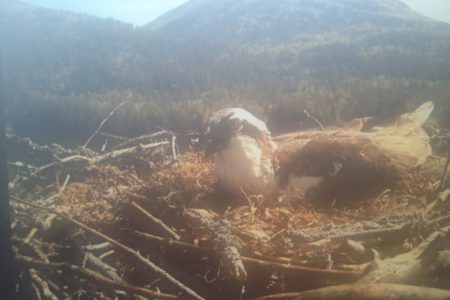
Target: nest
{"x": 145, "y": 222}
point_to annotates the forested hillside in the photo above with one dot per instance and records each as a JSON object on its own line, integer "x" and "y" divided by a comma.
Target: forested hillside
{"x": 338, "y": 59}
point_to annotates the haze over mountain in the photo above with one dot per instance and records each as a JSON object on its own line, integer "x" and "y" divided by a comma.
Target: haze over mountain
{"x": 265, "y": 20}
{"x": 338, "y": 59}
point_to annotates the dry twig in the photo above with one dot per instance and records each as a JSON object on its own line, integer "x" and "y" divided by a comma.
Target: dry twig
{"x": 156, "y": 221}
{"x": 121, "y": 246}
{"x": 92, "y": 275}
{"x": 103, "y": 123}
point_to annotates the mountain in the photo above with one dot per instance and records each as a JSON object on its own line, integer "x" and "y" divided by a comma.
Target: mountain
{"x": 63, "y": 72}
{"x": 352, "y": 37}
{"x": 71, "y": 51}
{"x": 248, "y": 21}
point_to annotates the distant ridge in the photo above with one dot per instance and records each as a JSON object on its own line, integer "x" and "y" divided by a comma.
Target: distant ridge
{"x": 337, "y": 58}
{"x": 263, "y": 20}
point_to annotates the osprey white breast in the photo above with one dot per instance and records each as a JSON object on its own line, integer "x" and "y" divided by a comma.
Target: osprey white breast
{"x": 243, "y": 151}
{"x": 243, "y": 165}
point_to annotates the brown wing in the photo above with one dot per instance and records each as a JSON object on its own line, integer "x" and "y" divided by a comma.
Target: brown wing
{"x": 365, "y": 170}
{"x": 404, "y": 143}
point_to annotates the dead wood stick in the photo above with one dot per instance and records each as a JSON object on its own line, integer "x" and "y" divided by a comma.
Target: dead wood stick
{"x": 390, "y": 233}
{"x": 30, "y": 235}
{"x": 91, "y": 275}
{"x": 156, "y": 221}
{"x": 36, "y": 291}
{"x": 102, "y": 267}
{"x": 174, "y": 148}
{"x": 338, "y": 274}
{"x": 434, "y": 243}
{"x": 97, "y": 247}
{"x": 103, "y": 123}
{"x": 143, "y": 139}
{"x": 393, "y": 232}
{"x": 17, "y": 144}
{"x": 168, "y": 242}
{"x": 224, "y": 241}
{"x": 46, "y": 292}
{"x": 44, "y": 224}
{"x": 375, "y": 233}
{"x": 277, "y": 234}
{"x": 61, "y": 162}
{"x": 119, "y": 245}
{"x": 314, "y": 119}
{"x": 48, "y": 222}
{"x": 136, "y": 196}
{"x": 21, "y": 165}
{"x": 105, "y": 144}
{"x": 409, "y": 267}
{"x": 31, "y": 246}
{"x": 57, "y": 290}
{"x": 378, "y": 291}
{"x": 258, "y": 262}
{"x": 81, "y": 160}
{"x": 444, "y": 173}
{"x": 117, "y": 137}
{"x": 63, "y": 187}
{"x": 118, "y": 153}
{"x": 438, "y": 221}
{"x": 108, "y": 253}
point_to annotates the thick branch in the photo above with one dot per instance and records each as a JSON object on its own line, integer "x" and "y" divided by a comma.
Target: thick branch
{"x": 27, "y": 262}
{"x": 336, "y": 274}
{"x": 144, "y": 139}
{"x": 223, "y": 240}
{"x": 409, "y": 268}
{"x": 156, "y": 221}
{"x": 121, "y": 246}
{"x": 444, "y": 173}
{"x": 365, "y": 292}
{"x": 114, "y": 155}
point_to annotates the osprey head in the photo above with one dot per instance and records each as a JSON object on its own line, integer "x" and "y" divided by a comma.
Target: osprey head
{"x": 243, "y": 151}
{"x": 230, "y": 122}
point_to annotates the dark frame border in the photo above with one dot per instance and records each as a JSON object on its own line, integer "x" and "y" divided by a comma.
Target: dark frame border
{"x": 8, "y": 273}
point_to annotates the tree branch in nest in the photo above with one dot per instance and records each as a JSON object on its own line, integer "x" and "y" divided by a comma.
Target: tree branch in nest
{"x": 410, "y": 267}
{"x": 114, "y": 155}
{"x": 143, "y": 139}
{"x": 103, "y": 123}
{"x": 103, "y": 268}
{"x": 156, "y": 221}
{"x": 121, "y": 246}
{"x": 26, "y": 262}
{"x": 444, "y": 173}
{"x": 379, "y": 291}
{"x": 336, "y": 274}
{"x": 43, "y": 285}
{"x": 225, "y": 243}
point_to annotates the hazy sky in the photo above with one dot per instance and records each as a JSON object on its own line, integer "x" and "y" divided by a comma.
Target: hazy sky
{"x": 140, "y": 12}
{"x": 437, "y": 9}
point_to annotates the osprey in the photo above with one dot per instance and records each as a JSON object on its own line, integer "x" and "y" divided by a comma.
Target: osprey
{"x": 341, "y": 166}
{"x": 243, "y": 150}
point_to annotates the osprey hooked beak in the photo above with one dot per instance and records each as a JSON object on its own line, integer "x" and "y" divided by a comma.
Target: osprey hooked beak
{"x": 211, "y": 144}
{"x": 217, "y": 135}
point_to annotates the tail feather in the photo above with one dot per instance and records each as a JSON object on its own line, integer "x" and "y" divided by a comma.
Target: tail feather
{"x": 406, "y": 141}
{"x": 417, "y": 118}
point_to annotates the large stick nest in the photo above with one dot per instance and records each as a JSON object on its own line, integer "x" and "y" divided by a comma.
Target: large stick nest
{"x": 169, "y": 210}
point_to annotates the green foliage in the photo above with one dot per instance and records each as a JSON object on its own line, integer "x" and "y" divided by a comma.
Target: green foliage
{"x": 64, "y": 72}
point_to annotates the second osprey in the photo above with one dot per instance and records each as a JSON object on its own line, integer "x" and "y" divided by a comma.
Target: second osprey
{"x": 341, "y": 166}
